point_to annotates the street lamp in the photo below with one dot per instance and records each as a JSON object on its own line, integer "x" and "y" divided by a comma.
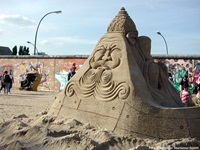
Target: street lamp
{"x": 164, "y": 40}
{"x": 33, "y": 45}
{"x": 57, "y": 12}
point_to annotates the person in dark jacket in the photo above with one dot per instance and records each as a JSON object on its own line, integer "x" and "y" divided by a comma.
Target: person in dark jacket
{"x": 6, "y": 82}
{"x": 184, "y": 82}
{"x": 71, "y": 73}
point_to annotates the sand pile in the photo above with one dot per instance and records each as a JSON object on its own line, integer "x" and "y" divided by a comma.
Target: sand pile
{"x": 24, "y": 124}
{"x": 58, "y": 133}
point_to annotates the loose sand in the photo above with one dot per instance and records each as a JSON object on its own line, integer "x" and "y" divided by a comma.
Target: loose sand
{"x": 29, "y": 103}
{"x": 24, "y": 124}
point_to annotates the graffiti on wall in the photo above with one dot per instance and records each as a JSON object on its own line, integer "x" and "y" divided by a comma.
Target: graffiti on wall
{"x": 54, "y": 71}
{"x": 181, "y": 67}
{"x": 196, "y": 70}
{"x": 62, "y": 77}
{"x": 26, "y": 68}
{"x": 5, "y": 68}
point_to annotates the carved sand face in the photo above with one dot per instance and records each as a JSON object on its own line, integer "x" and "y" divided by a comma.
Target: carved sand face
{"x": 98, "y": 80}
{"x": 107, "y": 54}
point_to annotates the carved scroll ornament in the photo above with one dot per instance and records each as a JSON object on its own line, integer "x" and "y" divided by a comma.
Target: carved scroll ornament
{"x": 98, "y": 80}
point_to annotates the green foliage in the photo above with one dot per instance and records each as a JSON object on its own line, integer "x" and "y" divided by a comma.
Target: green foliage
{"x": 23, "y": 50}
{"x": 20, "y": 50}
{"x": 14, "y": 50}
{"x": 26, "y": 50}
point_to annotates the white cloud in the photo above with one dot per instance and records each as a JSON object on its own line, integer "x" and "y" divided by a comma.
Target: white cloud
{"x": 16, "y": 20}
{"x": 77, "y": 40}
{"x": 68, "y": 40}
{"x": 1, "y": 32}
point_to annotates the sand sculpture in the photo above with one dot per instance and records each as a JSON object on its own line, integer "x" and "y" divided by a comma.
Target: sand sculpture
{"x": 120, "y": 88}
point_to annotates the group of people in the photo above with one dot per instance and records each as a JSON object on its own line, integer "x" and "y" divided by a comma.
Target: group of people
{"x": 6, "y": 81}
{"x": 184, "y": 92}
{"x": 184, "y": 88}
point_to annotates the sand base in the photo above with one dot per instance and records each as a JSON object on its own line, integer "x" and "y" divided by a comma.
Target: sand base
{"x": 25, "y": 125}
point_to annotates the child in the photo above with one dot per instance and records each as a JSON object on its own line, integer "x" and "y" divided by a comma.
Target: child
{"x": 185, "y": 95}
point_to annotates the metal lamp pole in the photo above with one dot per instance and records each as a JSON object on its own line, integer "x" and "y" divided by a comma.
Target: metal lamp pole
{"x": 164, "y": 40}
{"x": 57, "y": 12}
{"x": 33, "y": 45}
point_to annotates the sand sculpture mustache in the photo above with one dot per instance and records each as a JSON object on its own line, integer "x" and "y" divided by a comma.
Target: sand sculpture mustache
{"x": 120, "y": 88}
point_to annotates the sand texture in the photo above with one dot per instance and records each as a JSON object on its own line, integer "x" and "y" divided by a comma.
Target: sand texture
{"x": 26, "y": 125}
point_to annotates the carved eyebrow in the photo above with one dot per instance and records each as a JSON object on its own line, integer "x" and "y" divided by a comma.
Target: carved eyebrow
{"x": 112, "y": 46}
{"x": 100, "y": 47}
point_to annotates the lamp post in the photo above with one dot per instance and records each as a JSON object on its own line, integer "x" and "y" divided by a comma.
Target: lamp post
{"x": 33, "y": 45}
{"x": 57, "y": 12}
{"x": 164, "y": 40}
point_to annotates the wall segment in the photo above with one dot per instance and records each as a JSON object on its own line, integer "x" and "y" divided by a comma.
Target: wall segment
{"x": 54, "y": 69}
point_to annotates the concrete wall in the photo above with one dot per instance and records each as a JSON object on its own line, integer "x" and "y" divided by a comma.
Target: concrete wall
{"x": 179, "y": 65}
{"x": 54, "y": 69}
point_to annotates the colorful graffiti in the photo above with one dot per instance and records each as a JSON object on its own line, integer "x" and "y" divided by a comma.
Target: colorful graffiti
{"x": 62, "y": 77}
{"x": 54, "y": 70}
{"x": 30, "y": 67}
{"x": 6, "y": 68}
{"x": 181, "y": 67}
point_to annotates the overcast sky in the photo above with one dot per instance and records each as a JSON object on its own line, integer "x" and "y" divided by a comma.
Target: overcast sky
{"x": 77, "y": 29}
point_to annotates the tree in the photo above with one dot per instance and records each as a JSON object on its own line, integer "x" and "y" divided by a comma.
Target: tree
{"x": 26, "y": 50}
{"x": 23, "y": 50}
{"x": 14, "y": 50}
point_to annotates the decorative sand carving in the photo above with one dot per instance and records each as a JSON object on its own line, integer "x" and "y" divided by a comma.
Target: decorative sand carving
{"x": 120, "y": 88}
{"x": 118, "y": 100}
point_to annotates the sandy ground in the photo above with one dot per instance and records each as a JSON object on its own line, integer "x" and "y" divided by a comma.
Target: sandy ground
{"x": 23, "y": 125}
{"x": 29, "y": 103}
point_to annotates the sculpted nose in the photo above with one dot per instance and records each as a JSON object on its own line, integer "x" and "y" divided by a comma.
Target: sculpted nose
{"x": 106, "y": 55}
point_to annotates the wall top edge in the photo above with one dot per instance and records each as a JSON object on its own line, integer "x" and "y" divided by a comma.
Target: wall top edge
{"x": 160, "y": 56}
{"x": 176, "y": 56}
{"x": 44, "y": 56}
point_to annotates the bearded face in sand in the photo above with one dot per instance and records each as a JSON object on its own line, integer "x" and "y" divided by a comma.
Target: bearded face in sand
{"x": 120, "y": 88}
{"x": 98, "y": 80}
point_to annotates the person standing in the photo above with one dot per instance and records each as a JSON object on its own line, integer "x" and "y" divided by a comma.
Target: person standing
{"x": 184, "y": 82}
{"x": 12, "y": 80}
{"x": 73, "y": 67}
{"x": 71, "y": 73}
{"x": 6, "y": 81}
{"x": 185, "y": 95}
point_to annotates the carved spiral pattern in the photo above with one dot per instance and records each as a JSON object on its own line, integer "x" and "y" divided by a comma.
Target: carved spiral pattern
{"x": 69, "y": 91}
{"x": 98, "y": 79}
{"x": 100, "y": 85}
